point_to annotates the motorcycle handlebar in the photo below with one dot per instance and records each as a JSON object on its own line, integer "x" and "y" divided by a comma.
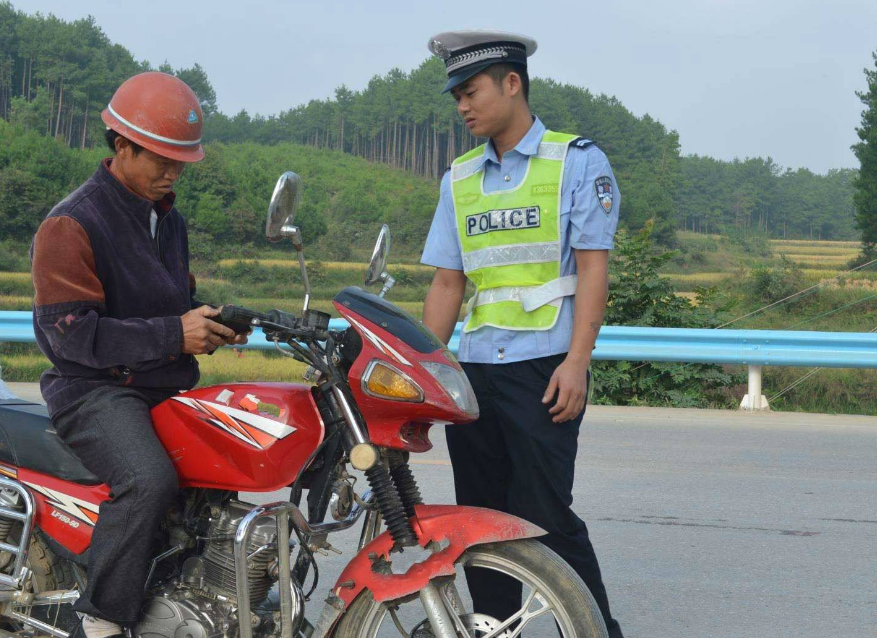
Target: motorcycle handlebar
{"x": 238, "y": 318}
{"x": 275, "y": 323}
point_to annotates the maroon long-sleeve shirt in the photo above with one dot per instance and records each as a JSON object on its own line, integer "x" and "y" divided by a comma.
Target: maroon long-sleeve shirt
{"x": 109, "y": 297}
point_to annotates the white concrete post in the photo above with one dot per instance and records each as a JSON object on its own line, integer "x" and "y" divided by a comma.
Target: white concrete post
{"x": 754, "y": 399}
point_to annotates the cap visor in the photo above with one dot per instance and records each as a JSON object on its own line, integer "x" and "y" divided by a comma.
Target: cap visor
{"x": 464, "y": 74}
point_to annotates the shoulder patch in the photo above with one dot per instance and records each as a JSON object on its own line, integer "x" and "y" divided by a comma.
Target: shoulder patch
{"x": 605, "y": 192}
{"x": 581, "y": 142}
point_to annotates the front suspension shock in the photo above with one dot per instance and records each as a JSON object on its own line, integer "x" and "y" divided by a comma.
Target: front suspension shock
{"x": 406, "y": 486}
{"x": 390, "y": 504}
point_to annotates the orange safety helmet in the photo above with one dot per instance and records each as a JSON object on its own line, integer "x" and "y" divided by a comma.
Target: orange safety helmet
{"x": 159, "y": 112}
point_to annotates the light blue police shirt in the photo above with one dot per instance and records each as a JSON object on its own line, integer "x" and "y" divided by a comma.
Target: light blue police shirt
{"x": 584, "y": 225}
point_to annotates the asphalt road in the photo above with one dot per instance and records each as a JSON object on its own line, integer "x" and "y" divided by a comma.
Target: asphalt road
{"x": 715, "y": 524}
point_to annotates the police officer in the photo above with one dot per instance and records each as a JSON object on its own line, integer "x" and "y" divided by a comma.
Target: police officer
{"x": 529, "y": 218}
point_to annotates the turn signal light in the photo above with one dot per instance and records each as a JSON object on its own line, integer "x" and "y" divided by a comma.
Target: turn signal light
{"x": 385, "y": 381}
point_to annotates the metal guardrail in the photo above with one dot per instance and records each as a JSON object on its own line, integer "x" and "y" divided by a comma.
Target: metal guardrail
{"x": 752, "y": 348}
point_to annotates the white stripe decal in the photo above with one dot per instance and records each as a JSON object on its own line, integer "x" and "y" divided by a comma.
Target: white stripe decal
{"x": 66, "y": 503}
{"x": 380, "y": 344}
{"x": 263, "y": 424}
{"x": 153, "y": 136}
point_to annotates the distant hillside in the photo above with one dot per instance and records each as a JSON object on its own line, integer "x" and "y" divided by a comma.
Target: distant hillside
{"x": 225, "y": 197}
{"x": 56, "y": 76}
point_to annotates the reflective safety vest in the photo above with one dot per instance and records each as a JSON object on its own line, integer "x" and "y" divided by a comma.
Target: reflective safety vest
{"x": 510, "y": 240}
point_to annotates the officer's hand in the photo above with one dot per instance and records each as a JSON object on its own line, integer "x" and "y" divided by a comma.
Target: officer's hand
{"x": 200, "y": 334}
{"x": 570, "y": 383}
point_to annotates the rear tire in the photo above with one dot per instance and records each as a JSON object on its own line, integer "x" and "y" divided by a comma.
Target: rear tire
{"x": 49, "y": 573}
{"x": 529, "y": 561}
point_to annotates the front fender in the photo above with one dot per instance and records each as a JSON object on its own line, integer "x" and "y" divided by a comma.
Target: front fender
{"x": 461, "y": 527}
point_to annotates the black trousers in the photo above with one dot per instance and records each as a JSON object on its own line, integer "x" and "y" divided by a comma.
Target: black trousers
{"x": 516, "y": 460}
{"x": 110, "y": 429}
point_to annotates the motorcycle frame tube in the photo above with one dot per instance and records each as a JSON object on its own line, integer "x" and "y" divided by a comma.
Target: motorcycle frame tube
{"x": 20, "y": 572}
{"x": 37, "y": 624}
{"x": 349, "y": 416}
{"x": 289, "y": 604}
{"x": 48, "y": 598}
{"x": 281, "y": 512}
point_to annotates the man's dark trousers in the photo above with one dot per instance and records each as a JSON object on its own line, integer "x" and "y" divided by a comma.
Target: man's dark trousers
{"x": 111, "y": 431}
{"x": 516, "y": 460}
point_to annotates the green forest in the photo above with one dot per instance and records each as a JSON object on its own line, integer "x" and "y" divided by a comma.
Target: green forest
{"x": 367, "y": 156}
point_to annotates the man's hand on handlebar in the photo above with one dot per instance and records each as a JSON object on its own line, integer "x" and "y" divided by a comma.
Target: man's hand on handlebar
{"x": 201, "y": 335}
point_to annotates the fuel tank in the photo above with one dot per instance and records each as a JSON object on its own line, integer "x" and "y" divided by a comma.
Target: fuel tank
{"x": 252, "y": 437}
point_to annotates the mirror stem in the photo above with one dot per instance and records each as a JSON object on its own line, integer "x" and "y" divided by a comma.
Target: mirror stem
{"x": 304, "y": 276}
{"x": 299, "y": 249}
{"x": 389, "y": 282}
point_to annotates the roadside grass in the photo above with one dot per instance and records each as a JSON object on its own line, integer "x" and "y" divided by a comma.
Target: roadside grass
{"x": 228, "y": 365}
{"x": 24, "y": 362}
{"x": 16, "y": 302}
{"x": 15, "y": 284}
{"x": 829, "y": 390}
{"x": 21, "y": 362}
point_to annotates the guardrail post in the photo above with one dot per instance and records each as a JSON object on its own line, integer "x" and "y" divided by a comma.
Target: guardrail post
{"x": 754, "y": 399}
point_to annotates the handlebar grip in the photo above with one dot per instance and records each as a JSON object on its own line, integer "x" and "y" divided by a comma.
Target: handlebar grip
{"x": 238, "y": 318}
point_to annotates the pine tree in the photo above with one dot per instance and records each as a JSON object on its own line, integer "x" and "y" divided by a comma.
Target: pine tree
{"x": 865, "y": 183}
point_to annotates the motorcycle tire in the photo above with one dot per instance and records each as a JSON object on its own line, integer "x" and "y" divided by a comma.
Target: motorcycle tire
{"x": 530, "y": 562}
{"x": 48, "y": 573}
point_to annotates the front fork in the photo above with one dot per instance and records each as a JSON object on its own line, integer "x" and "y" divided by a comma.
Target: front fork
{"x": 396, "y": 493}
{"x": 441, "y": 602}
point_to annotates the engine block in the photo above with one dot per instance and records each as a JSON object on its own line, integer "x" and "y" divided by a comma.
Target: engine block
{"x": 218, "y": 558}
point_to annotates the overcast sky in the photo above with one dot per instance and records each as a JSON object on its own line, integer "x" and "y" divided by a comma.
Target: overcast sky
{"x": 735, "y": 78}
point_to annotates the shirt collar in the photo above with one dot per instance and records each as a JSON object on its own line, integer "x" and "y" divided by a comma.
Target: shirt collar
{"x": 528, "y": 146}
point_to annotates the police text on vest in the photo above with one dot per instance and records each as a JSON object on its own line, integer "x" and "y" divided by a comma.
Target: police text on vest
{"x": 505, "y": 219}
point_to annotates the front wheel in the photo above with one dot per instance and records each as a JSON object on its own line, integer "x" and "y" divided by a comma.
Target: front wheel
{"x": 555, "y": 601}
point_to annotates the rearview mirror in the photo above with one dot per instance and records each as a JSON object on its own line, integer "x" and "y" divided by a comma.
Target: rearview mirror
{"x": 377, "y": 267}
{"x": 378, "y": 264}
{"x": 284, "y": 205}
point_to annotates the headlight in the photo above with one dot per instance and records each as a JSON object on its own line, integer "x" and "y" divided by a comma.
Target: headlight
{"x": 386, "y": 382}
{"x": 455, "y": 383}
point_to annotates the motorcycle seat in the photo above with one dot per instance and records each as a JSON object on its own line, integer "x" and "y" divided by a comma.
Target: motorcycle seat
{"x": 28, "y": 440}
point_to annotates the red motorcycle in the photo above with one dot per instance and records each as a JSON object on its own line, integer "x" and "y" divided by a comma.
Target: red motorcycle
{"x": 224, "y": 568}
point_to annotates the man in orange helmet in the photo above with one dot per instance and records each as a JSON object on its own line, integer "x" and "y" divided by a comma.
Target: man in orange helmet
{"x": 114, "y": 312}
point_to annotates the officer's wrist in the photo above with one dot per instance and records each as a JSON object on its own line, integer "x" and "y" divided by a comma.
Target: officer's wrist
{"x": 578, "y": 359}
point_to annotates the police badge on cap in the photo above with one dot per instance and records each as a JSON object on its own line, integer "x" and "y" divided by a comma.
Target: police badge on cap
{"x": 469, "y": 52}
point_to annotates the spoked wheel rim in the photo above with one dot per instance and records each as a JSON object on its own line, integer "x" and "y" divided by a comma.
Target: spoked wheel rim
{"x": 538, "y": 600}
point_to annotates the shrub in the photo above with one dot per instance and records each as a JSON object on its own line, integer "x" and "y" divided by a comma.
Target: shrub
{"x": 639, "y": 297}
{"x": 752, "y": 242}
{"x": 768, "y": 284}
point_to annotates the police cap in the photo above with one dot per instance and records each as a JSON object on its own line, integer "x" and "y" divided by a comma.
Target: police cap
{"x": 469, "y": 52}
